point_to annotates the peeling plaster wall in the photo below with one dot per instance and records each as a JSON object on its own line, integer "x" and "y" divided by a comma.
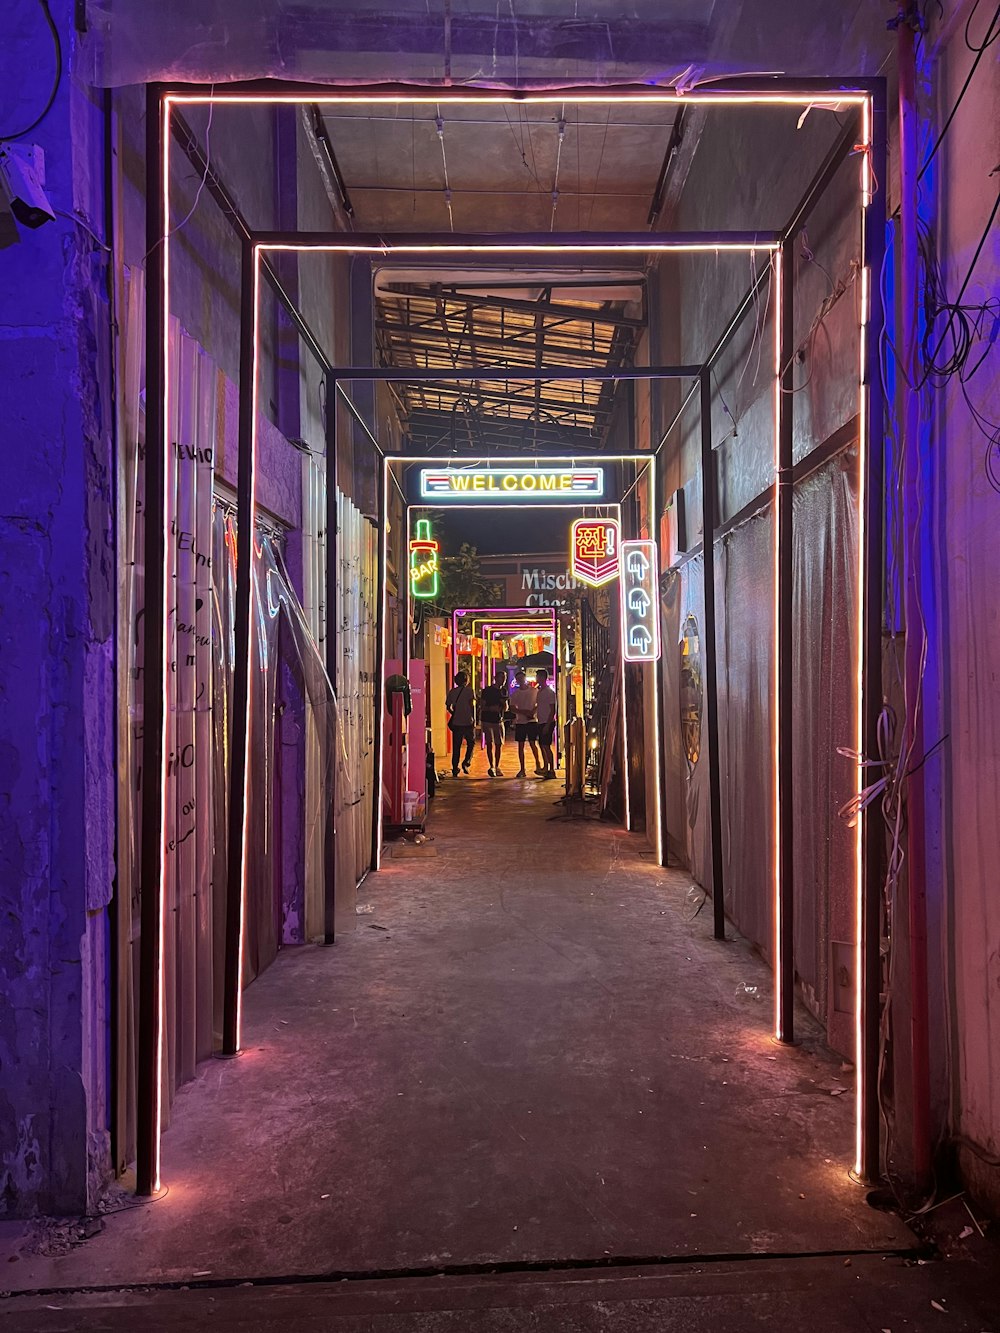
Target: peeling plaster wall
{"x": 962, "y": 554}
{"x": 57, "y": 616}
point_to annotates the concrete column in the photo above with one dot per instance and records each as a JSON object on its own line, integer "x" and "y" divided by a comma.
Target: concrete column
{"x": 57, "y": 618}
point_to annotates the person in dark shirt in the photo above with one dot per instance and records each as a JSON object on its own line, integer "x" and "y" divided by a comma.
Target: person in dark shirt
{"x": 460, "y": 704}
{"x": 492, "y": 705}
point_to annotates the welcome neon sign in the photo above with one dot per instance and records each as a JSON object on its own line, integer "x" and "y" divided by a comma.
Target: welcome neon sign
{"x": 513, "y": 483}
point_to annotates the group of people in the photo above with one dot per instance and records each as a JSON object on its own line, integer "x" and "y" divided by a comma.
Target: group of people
{"x": 533, "y": 708}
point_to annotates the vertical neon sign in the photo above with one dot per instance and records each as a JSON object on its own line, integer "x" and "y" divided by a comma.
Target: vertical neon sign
{"x": 424, "y": 580}
{"x": 640, "y": 614}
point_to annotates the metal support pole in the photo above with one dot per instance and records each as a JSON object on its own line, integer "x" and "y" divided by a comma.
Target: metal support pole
{"x": 785, "y": 906}
{"x": 148, "y": 1070}
{"x": 659, "y": 694}
{"x": 711, "y": 688}
{"x": 872, "y": 847}
{"x": 382, "y": 465}
{"x": 332, "y": 646}
{"x": 243, "y": 638}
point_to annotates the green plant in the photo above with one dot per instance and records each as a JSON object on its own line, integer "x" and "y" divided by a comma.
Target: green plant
{"x": 463, "y": 584}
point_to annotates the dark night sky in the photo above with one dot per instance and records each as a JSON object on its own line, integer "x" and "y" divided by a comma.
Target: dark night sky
{"x": 505, "y": 531}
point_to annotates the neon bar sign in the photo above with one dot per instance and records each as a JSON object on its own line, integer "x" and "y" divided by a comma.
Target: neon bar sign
{"x": 593, "y": 550}
{"x": 423, "y": 561}
{"x": 512, "y": 483}
{"x": 639, "y": 604}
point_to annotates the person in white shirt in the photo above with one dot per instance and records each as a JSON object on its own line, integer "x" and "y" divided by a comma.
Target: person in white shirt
{"x": 545, "y": 712}
{"x": 522, "y": 700}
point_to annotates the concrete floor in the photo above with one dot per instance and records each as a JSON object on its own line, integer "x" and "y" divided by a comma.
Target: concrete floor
{"x": 530, "y": 1051}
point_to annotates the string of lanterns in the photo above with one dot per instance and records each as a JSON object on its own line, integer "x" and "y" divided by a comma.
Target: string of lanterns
{"x": 506, "y": 649}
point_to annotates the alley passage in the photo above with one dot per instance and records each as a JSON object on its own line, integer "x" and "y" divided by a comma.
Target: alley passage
{"x": 529, "y": 1049}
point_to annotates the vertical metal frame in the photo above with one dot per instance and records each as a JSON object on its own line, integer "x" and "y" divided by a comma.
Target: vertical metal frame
{"x": 379, "y": 682}
{"x": 243, "y": 623}
{"x": 709, "y": 658}
{"x": 869, "y": 95}
{"x": 784, "y": 907}
{"x": 332, "y": 646}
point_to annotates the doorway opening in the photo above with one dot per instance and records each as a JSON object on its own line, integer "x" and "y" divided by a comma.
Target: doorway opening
{"x": 259, "y": 253}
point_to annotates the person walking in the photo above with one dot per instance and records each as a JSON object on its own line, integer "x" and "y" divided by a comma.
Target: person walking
{"x": 545, "y": 714}
{"x": 522, "y": 700}
{"x": 492, "y": 704}
{"x": 460, "y": 704}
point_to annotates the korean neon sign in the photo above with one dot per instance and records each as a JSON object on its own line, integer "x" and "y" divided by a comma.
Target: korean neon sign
{"x": 640, "y": 615}
{"x": 424, "y": 580}
{"x": 489, "y": 484}
{"x": 593, "y": 550}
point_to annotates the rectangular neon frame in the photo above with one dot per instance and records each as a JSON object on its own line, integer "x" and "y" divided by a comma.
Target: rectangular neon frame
{"x": 809, "y": 97}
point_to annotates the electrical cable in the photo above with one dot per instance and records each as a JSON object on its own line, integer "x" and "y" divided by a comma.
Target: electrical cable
{"x": 85, "y": 226}
{"x": 57, "y": 46}
{"x": 555, "y": 178}
{"x": 439, "y": 124}
{"x": 201, "y": 184}
{"x": 964, "y": 325}
{"x": 988, "y": 41}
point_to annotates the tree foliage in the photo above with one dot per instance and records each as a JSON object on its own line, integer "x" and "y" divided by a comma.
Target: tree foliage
{"x": 463, "y": 584}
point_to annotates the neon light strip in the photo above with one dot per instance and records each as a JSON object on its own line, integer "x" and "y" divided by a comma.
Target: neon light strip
{"x": 525, "y": 248}
{"x": 504, "y": 610}
{"x": 161, "y": 1002}
{"x": 776, "y": 697}
{"x": 587, "y": 484}
{"x": 859, "y": 890}
{"x": 244, "y": 877}
{"x": 628, "y": 788}
{"x": 637, "y": 458}
{"x": 863, "y": 446}
{"x": 833, "y": 98}
{"x": 654, "y": 521}
{"x": 845, "y": 97}
{"x": 380, "y": 684}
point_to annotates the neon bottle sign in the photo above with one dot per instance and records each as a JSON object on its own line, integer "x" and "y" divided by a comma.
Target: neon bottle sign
{"x": 424, "y": 580}
{"x": 593, "y": 550}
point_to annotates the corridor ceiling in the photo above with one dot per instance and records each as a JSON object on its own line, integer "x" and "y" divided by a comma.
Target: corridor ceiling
{"x": 442, "y": 167}
{"x": 445, "y": 167}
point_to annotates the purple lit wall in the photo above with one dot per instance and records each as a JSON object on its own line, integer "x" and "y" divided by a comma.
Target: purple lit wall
{"x": 57, "y": 627}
